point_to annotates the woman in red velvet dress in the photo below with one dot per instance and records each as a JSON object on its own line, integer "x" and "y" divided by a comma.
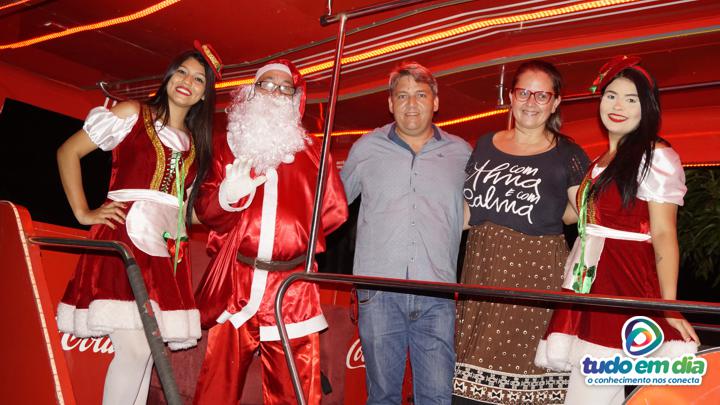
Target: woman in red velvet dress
{"x": 629, "y": 201}
{"x": 159, "y": 150}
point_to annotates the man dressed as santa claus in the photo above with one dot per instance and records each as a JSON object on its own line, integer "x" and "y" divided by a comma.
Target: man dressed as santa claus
{"x": 257, "y": 200}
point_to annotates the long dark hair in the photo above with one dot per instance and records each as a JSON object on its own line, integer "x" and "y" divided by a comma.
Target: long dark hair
{"x": 625, "y": 169}
{"x": 554, "y": 121}
{"x": 199, "y": 119}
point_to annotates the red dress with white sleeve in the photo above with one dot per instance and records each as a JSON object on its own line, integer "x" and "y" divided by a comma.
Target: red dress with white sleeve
{"x": 151, "y": 166}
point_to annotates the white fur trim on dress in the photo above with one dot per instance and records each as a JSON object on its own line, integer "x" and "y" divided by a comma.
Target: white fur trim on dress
{"x": 554, "y": 353}
{"x": 294, "y": 330}
{"x": 179, "y": 328}
{"x": 562, "y": 351}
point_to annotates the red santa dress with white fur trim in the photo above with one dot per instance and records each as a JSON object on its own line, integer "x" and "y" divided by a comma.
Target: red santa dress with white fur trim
{"x": 98, "y": 299}
{"x": 626, "y": 268}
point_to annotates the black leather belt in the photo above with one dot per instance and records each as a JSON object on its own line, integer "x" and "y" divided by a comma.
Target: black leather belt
{"x": 271, "y": 265}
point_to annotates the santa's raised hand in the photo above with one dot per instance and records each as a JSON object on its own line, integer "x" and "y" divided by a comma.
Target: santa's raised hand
{"x": 238, "y": 183}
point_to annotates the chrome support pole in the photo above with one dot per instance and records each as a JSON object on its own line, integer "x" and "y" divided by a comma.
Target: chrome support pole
{"x": 500, "y": 88}
{"x": 317, "y": 206}
{"x": 104, "y": 87}
{"x": 327, "y": 134}
{"x": 372, "y": 9}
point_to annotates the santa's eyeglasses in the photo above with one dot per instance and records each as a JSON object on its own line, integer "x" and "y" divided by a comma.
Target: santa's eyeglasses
{"x": 270, "y": 86}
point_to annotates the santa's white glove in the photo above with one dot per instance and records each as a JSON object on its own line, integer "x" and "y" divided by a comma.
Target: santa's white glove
{"x": 238, "y": 184}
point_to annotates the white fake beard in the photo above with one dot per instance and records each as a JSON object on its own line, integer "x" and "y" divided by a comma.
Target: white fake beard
{"x": 265, "y": 129}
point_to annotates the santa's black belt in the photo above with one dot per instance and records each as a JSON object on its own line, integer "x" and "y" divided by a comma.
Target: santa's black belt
{"x": 271, "y": 265}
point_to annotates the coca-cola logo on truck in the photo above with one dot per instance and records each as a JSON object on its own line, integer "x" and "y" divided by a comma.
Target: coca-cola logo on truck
{"x": 355, "y": 357}
{"x": 95, "y": 344}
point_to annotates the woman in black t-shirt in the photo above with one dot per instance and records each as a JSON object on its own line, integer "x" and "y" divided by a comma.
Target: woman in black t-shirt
{"x": 520, "y": 187}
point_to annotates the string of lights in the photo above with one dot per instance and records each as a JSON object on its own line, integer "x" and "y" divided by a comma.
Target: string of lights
{"x": 11, "y": 5}
{"x": 453, "y": 121}
{"x": 441, "y": 35}
{"x": 89, "y": 27}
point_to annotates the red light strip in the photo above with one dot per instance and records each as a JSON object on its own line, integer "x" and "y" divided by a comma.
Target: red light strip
{"x": 695, "y": 165}
{"x": 455, "y": 121}
{"x": 102, "y": 24}
{"x": 472, "y": 117}
{"x": 463, "y": 29}
{"x": 343, "y": 133}
{"x": 17, "y": 3}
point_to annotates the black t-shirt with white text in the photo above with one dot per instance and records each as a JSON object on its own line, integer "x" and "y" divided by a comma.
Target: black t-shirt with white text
{"x": 524, "y": 193}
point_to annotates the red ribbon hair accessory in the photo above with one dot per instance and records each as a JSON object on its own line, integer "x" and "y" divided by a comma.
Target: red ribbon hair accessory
{"x": 211, "y": 57}
{"x": 614, "y": 66}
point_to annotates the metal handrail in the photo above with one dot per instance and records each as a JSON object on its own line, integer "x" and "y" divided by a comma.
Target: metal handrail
{"x": 103, "y": 85}
{"x": 516, "y": 294}
{"x": 137, "y": 283}
{"x": 703, "y": 327}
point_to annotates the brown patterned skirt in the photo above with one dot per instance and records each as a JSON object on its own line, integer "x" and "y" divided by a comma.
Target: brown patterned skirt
{"x": 496, "y": 341}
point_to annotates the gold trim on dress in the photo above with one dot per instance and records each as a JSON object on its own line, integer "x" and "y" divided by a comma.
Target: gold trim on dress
{"x": 159, "y": 152}
{"x": 587, "y": 182}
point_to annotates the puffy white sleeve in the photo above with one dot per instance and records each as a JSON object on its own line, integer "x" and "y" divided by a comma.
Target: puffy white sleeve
{"x": 665, "y": 180}
{"x": 106, "y": 129}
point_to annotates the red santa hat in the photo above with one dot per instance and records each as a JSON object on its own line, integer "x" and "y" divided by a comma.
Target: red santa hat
{"x": 286, "y": 66}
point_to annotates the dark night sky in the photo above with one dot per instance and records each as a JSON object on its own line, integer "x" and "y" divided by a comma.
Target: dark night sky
{"x": 29, "y": 138}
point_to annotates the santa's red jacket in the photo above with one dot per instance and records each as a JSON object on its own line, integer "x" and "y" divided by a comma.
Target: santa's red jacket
{"x": 275, "y": 226}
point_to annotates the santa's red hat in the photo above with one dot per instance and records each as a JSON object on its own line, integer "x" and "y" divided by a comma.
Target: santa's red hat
{"x": 285, "y": 65}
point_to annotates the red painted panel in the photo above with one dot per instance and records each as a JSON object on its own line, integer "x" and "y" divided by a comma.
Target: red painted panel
{"x": 87, "y": 359}
{"x": 29, "y": 88}
{"x": 35, "y": 372}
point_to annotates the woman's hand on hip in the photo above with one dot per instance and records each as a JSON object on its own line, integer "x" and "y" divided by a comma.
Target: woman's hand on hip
{"x": 108, "y": 214}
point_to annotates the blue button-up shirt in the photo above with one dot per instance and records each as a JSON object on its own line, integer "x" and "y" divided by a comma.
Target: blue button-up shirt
{"x": 411, "y": 213}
